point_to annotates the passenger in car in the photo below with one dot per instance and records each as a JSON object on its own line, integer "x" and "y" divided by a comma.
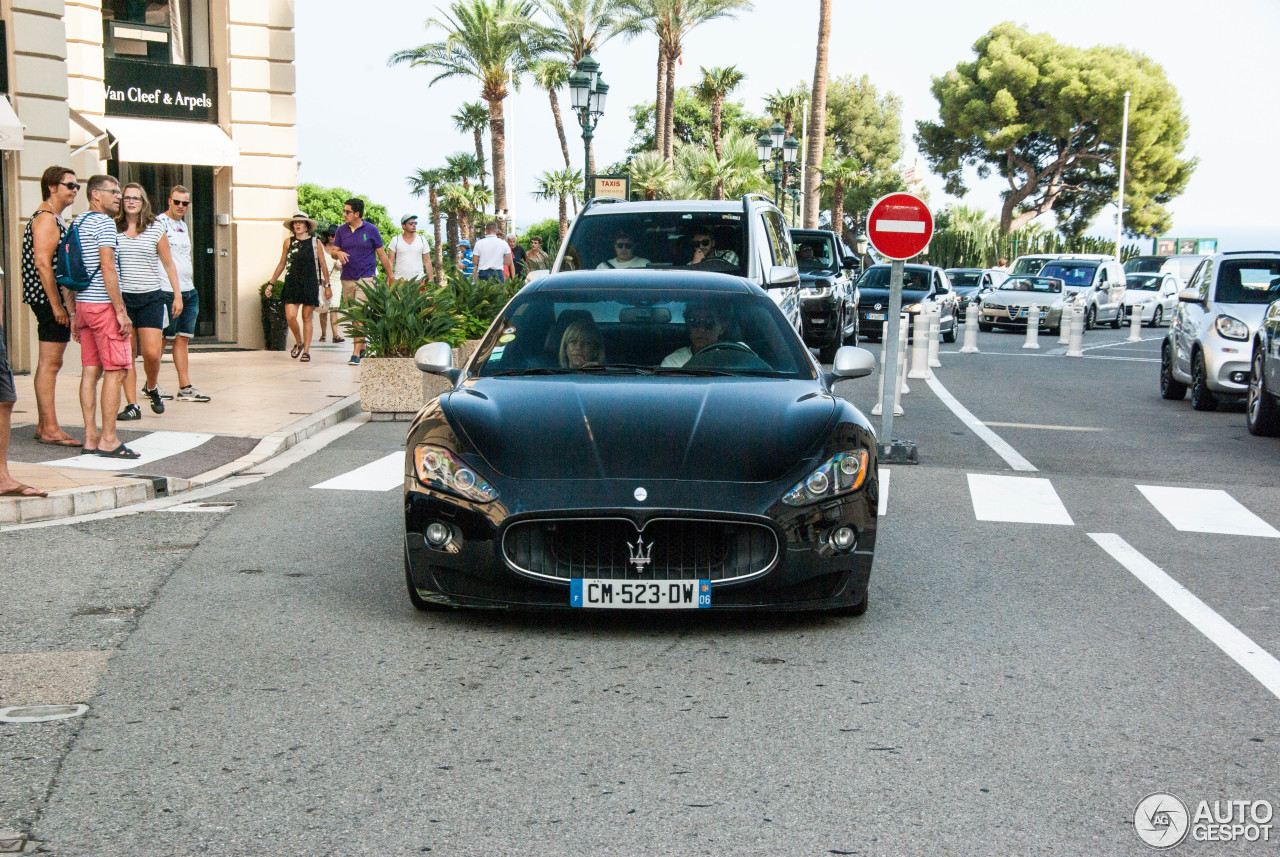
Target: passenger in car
{"x": 624, "y": 254}
{"x": 706, "y": 323}
{"x": 581, "y": 345}
{"x": 704, "y": 249}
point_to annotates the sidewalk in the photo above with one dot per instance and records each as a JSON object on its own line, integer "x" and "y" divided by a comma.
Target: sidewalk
{"x": 263, "y": 402}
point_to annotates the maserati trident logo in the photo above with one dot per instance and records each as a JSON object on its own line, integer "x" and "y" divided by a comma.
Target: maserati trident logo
{"x": 640, "y": 553}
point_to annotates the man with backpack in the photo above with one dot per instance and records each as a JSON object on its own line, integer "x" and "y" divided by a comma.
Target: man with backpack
{"x": 92, "y": 270}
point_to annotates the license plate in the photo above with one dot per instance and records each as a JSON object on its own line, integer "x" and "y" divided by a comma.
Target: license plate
{"x": 639, "y": 595}
{"x": 1022, "y": 313}
{"x": 875, "y": 316}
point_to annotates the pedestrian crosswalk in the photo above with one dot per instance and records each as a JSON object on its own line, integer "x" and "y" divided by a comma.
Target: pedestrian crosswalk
{"x": 1199, "y": 510}
{"x": 382, "y": 475}
{"x": 150, "y": 448}
{"x": 1016, "y": 499}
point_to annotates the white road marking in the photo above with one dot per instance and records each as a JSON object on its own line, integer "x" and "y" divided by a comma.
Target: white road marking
{"x": 1016, "y": 499}
{"x": 913, "y": 226}
{"x": 1202, "y": 510}
{"x": 150, "y": 447}
{"x": 1049, "y": 428}
{"x": 993, "y": 440}
{"x": 1257, "y": 661}
{"x": 381, "y": 475}
{"x": 884, "y": 492}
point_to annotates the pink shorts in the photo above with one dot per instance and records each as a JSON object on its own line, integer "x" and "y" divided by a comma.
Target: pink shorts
{"x": 101, "y": 343}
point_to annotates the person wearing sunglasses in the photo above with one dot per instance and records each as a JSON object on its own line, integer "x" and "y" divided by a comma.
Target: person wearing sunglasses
{"x": 704, "y": 250}
{"x": 184, "y": 309}
{"x": 706, "y": 323}
{"x": 624, "y": 254}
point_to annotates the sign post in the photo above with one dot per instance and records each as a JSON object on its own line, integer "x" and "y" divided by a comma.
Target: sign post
{"x": 899, "y": 226}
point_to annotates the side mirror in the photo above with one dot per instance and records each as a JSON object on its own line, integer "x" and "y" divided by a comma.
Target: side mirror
{"x": 1189, "y": 296}
{"x": 849, "y": 263}
{"x": 782, "y": 277}
{"x": 853, "y": 362}
{"x": 436, "y": 358}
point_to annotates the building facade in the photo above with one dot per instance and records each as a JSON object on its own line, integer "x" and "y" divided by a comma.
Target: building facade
{"x": 162, "y": 92}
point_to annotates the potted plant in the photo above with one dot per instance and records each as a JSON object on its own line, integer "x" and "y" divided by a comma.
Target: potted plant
{"x": 275, "y": 331}
{"x": 476, "y": 304}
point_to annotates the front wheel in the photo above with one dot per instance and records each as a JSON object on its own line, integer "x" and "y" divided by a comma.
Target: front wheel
{"x": 1261, "y": 413}
{"x": 1202, "y": 398}
{"x": 1091, "y": 318}
{"x": 950, "y": 335}
{"x": 1170, "y": 388}
{"x": 986, "y": 328}
{"x": 1119, "y": 319}
{"x": 1157, "y": 317}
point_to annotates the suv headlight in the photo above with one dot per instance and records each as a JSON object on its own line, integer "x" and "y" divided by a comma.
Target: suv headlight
{"x": 840, "y": 474}
{"x": 440, "y": 468}
{"x": 1231, "y": 328}
{"x": 913, "y": 308}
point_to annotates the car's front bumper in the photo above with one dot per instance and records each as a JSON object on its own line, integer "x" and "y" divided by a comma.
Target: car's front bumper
{"x": 1016, "y": 316}
{"x": 821, "y": 321}
{"x": 1227, "y": 364}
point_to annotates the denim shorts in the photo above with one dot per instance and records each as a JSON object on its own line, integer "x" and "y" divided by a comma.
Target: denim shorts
{"x": 185, "y": 323}
{"x": 147, "y": 309}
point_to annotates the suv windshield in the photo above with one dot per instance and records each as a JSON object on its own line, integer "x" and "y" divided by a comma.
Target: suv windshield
{"x": 1029, "y": 265}
{"x": 1144, "y": 265}
{"x": 913, "y": 279}
{"x": 1074, "y": 275}
{"x": 703, "y": 241}
{"x": 815, "y": 254}
{"x": 641, "y": 332}
{"x": 964, "y": 279}
{"x": 1248, "y": 281}
{"x": 1145, "y": 282}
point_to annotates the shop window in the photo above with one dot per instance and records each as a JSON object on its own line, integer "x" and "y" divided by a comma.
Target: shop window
{"x": 163, "y": 31}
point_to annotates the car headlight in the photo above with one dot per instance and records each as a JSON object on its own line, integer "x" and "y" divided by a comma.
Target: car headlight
{"x": 913, "y": 308}
{"x": 1231, "y": 328}
{"x": 840, "y": 474}
{"x": 440, "y": 468}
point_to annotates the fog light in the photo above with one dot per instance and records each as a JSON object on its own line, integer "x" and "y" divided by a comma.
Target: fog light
{"x": 842, "y": 538}
{"x": 1240, "y": 377}
{"x": 437, "y": 534}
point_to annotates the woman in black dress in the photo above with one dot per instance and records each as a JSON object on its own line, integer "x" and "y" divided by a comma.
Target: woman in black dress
{"x": 304, "y": 266}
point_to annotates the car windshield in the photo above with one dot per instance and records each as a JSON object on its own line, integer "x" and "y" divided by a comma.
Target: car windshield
{"x": 1074, "y": 275}
{"x": 964, "y": 279}
{"x": 703, "y": 241}
{"x": 641, "y": 332}
{"x": 1248, "y": 281}
{"x": 1029, "y": 265}
{"x": 816, "y": 254}
{"x": 1145, "y": 282}
{"x": 913, "y": 279}
{"x": 1144, "y": 265}
{"x": 1031, "y": 284}
{"x": 1186, "y": 266}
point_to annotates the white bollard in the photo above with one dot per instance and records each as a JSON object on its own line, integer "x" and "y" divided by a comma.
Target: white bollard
{"x": 899, "y": 374}
{"x": 970, "y": 331}
{"x": 1064, "y": 324}
{"x": 1135, "y": 325}
{"x": 935, "y": 335}
{"x": 902, "y": 355}
{"x": 920, "y": 349}
{"x": 1033, "y": 328}
{"x": 1075, "y": 343}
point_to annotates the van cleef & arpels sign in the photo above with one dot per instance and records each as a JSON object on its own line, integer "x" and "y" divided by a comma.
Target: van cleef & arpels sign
{"x": 159, "y": 91}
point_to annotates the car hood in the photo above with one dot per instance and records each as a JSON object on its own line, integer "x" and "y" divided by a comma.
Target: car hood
{"x": 571, "y": 427}
{"x": 1023, "y": 298}
{"x": 810, "y": 276}
{"x": 967, "y": 291}
{"x": 909, "y": 296}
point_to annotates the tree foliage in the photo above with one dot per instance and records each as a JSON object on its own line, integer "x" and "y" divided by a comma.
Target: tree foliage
{"x": 324, "y": 205}
{"x": 1047, "y": 118}
{"x": 864, "y": 127}
{"x": 693, "y": 121}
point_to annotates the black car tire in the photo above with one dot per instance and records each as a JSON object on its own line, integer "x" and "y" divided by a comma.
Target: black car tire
{"x": 950, "y": 335}
{"x": 1170, "y": 388}
{"x": 1118, "y": 321}
{"x": 1262, "y": 412}
{"x": 1157, "y": 317}
{"x": 827, "y": 353}
{"x": 1090, "y": 318}
{"x": 985, "y": 328}
{"x": 1202, "y": 398}
{"x": 852, "y": 338}
{"x": 415, "y": 598}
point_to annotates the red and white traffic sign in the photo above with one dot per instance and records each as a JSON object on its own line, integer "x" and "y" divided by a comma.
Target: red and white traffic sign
{"x": 899, "y": 226}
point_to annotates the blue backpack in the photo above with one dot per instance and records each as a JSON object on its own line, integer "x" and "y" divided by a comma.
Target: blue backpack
{"x": 69, "y": 269}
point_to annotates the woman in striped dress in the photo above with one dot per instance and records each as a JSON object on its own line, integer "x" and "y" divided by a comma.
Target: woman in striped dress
{"x": 144, "y": 255}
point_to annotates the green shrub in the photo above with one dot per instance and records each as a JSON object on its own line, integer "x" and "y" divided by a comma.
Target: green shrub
{"x": 394, "y": 321}
{"x": 277, "y": 293}
{"x": 478, "y": 303}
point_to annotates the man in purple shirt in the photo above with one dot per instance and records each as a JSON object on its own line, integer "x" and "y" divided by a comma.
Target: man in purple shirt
{"x": 358, "y": 246}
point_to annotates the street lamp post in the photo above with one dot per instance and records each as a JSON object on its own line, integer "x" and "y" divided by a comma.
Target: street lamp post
{"x": 777, "y": 157}
{"x": 588, "y": 93}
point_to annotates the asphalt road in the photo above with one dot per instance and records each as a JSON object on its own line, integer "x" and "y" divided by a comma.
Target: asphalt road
{"x": 1013, "y": 689}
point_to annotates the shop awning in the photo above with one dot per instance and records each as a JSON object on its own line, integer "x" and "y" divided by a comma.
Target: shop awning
{"x": 155, "y": 141}
{"x": 11, "y": 127}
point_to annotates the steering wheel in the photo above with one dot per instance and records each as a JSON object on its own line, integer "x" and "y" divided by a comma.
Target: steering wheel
{"x": 715, "y": 265}
{"x": 725, "y": 345}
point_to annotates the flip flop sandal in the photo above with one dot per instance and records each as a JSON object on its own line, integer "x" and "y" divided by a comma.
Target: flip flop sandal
{"x": 21, "y": 491}
{"x": 66, "y": 441}
{"x": 339, "y": 339}
{"x": 120, "y": 451}
{"x": 297, "y": 349}
{"x": 306, "y": 358}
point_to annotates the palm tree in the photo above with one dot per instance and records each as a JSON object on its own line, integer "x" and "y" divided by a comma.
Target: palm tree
{"x": 785, "y": 105}
{"x": 580, "y": 27}
{"x": 817, "y": 131}
{"x": 462, "y": 167}
{"x": 492, "y": 41}
{"x": 453, "y": 198}
{"x": 473, "y": 117}
{"x": 561, "y": 185}
{"x": 733, "y": 174}
{"x": 551, "y": 74}
{"x": 838, "y": 175}
{"x": 715, "y": 86}
{"x": 651, "y": 174}
{"x": 429, "y": 181}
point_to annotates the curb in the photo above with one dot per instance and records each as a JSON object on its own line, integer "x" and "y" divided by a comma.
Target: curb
{"x": 73, "y": 502}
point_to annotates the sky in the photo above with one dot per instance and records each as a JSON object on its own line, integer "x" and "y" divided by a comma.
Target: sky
{"x": 365, "y": 126}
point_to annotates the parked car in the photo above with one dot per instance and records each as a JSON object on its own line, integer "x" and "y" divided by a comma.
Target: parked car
{"x": 922, "y": 285}
{"x": 1030, "y": 265}
{"x": 1209, "y": 347}
{"x": 1262, "y": 410}
{"x": 1094, "y": 282}
{"x": 971, "y": 283}
{"x": 748, "y": 238}
{"x": 1010, "y": 305}
{"x": 1156, "y": 295}
{"x": 1181, "y": 266}
{"x": 828, "y": 298}
{"x": 641, "y": 439}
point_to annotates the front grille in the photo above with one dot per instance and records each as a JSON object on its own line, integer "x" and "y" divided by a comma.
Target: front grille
{"x": 608, "y": 549}
{"x": 995, "y": 307}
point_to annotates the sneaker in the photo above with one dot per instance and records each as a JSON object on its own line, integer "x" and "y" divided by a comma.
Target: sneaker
{"x": 157, "y": 406}
{"x": 191, "y": 394}
{"x": 163, "y": 393}
{"x": 130, "y": 412}
{"x": 354, "y": 361}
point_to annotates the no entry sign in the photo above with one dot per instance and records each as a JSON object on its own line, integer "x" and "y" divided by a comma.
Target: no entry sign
{"x": 899, "y": 226}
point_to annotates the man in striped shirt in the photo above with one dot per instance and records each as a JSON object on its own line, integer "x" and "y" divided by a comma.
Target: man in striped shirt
{"x": 102, "y": 322}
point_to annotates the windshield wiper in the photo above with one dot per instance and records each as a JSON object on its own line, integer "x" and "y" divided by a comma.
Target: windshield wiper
{"x": 553, "y": 370}
{"x": 683, "y": 370}
{"x": 624, "y": 368}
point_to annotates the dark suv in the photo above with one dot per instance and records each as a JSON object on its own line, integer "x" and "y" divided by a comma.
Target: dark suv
{"x": 828, "y": 298}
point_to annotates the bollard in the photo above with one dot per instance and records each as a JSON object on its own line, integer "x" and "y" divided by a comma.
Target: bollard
{"x": 935, "y": 336}
{"x": 920, "y": 348}
{"x": 899, "y": 374}
{"x": 1064, "y": 324}
{"x": 1135, "y": 325}
{"x": 1033, "y": 328}
{"x": 1075, "y": 343}
{"x": 902, "y": 353}
{"x": 970, "y": 331}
